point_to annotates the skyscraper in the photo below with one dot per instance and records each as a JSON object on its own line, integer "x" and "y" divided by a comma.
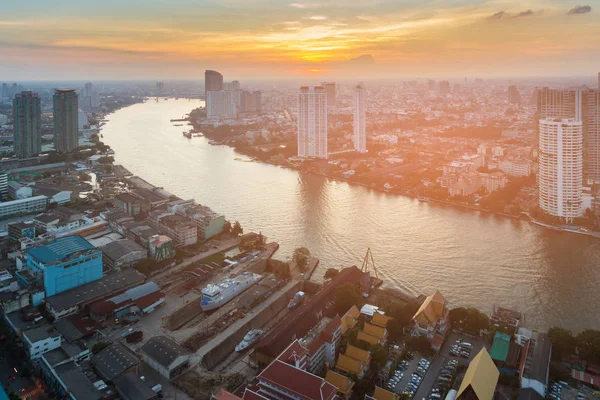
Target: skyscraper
{"x": 213, "y": 81}
{"x": 330, "y": 89}
{"x": 581, "y": 104}
{"x": 88, "y": 89}
{"x": 444, "y": 88}
{"x": 312, "y": 122}
{"x": 66, "y": 135}
{"x": 561, "y": 167}
{"x": 27, "y": 112}
{"x": 360, "y": 124}
{"x": 514, "y": 97}
{"x": 251, "y": 101}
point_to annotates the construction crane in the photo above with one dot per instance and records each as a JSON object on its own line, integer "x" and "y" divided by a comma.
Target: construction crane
{"x": 369, "y": 260}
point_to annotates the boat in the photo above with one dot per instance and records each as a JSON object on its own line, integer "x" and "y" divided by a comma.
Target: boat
{"x": 387, "y": 187}
{"x": 187, "y": 135}
{"x": 298, "y": 298}
{"x": 214, "y": 296}
{"x": 423, "y": 199}
{"x": 248, "y": 340}
{"x": 213, "y": 142}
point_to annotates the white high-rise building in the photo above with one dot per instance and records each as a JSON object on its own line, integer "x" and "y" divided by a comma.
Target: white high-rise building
{"x": 221, "y": 104}
{"x": 312, "y": 122}
{"x": 561, "y": 167}
{"x": 360, "y": 123}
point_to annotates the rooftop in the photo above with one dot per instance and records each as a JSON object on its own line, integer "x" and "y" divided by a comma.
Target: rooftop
{"x": 40, "y": 333}
{"x": 131, "y": 387}
{"x": 77, "y": 382}
{"x": 539, "y": 350}
{"x": 105, "y": 286}
{"x": 119, "y": 248}
{"x": 301, "y": 383}
{"x": 163, "y": 350}
{"x": 60, "y": 249}
{"x": 499, "y": 350}
{"x": 113, "y": 361}
{"x": 481, "y": 376}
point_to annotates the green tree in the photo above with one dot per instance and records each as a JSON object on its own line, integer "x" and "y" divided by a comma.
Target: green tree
{"x": 227, "y": 227}
{"x": 300, "y": 257}
{"x": 237, "y": 229}
{"x": 331, "y": 273}
{"x": 98, "y": 347}
{"x": 563, "y": 342}
{"x": 379, "y": 354}
{"x": 470, "y": 320}
{"x": 401, "y": 312}
{"x": 346, "y": 296}
{"x": 419, "y": 344}
{"x": 588, "y": 343}
{"x": 13, "y": 396}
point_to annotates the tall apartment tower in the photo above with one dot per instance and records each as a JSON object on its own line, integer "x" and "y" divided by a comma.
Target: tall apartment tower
{"x": 360, "y": 123}
{"x": 66, "y": 135}
{"x": 581, "y": 104}
{"x": 514, "y": 97}
{"x": 561, "y": 167}
{"x": 27, "y": 112}
{"x": 213, "y": 81}
{"x": 330, "y": 89}
{"x": 312, "y": 122}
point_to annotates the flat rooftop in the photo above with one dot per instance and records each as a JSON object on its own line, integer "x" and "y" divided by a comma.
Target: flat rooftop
{"x": 108, "y": 285}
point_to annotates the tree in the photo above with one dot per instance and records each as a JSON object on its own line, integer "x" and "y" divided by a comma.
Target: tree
{"x": 401, "y": 312}
{"x": 588, "y": 343}
{"x": 253, "y": 242}
{"x": 419, "y": 344}
{"x": 470, "y": 320}
{"x": 346, "y": 296}
{"x": 98, "y": 347}
{"x": 379, "y": 354}
{"x": 331, "y": 273}
{"x": 563, "y": 342}
{"x": 227, "y": 227}
{"x": 237, "y": 229}
{"x": 13, "y": 396}
{"x": 300, "y": 257}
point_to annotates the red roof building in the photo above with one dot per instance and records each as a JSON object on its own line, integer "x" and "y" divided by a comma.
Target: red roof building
{"x": 284, "y": 381}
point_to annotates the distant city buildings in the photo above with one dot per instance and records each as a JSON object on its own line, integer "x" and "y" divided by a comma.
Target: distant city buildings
{"x": 560, "y": 167}
{"x": 227, "y": 99}
{"x": 330, "y": 88}
{"x": 514, "y": 96}
{"x": 213, "y": 81}
{"x": 251, "y": 101}
{"x": 312, "y": 122}
{"x": 27, "y": 114}
{"x": 360, "y": 124}
{"x": 66, "y": 136}
{"x": 444, "y": 88}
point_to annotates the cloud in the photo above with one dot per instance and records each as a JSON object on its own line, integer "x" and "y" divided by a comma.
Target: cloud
{"x": 505, "y": 15}
{"x": 527, "y": 13}
{"x": 579, "y": 10}
{"x": 498, "y": 15}
{"x": 364, "y": 59}
{"x": 318, "y": 18}
{"x": 297, "y": 5}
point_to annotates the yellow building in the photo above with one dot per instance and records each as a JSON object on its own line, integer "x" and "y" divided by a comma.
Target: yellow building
{"x": 376, "y": 331}
{"x": 431, "y": 319}
{"x": 350, "y": 319}
{"x": 343, "y": 384}
{"x": 380, "y": 320}
{"x": 480, "y": 379}
{"x": 382, "y": 394}
{"x": 351, "y": 365}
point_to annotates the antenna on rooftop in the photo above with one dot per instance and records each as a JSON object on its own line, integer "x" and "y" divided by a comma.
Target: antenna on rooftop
{"x": 369, "y": 260}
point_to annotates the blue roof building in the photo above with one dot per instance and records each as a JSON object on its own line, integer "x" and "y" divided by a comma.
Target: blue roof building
{"x": 64, "y": 264}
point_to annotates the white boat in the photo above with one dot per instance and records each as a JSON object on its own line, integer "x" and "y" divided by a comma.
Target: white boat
{"x": 214, "y": 296}
{"x": 298, "y": 298}
{"x": 248, "y": 340}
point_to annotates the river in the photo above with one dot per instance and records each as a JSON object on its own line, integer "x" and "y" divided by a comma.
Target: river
{"x": 473, "y": 259}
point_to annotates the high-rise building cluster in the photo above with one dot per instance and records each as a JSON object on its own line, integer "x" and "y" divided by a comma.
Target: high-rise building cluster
{"x": 514, "y": 96}
{"x": 569, "y": 148}
{"x": 313, "y": 103}
{"x": 88, "y": 99}
{"x": 227, "y": 99}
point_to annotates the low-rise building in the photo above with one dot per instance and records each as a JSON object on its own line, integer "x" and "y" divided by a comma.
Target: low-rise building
{"x": 431, "y": 319}
{"x": 40, "y": 340}
{"x": 113, "y": 361}
{"x": 322, "y": 343}
{"x": 131, "y": 205}
{"x": 535, "y": 363}
{"x": 16, "y": 191}
{"x": 55, "y": 196}
{"x": 129, "y": 305}
{"x": 516, "y": 168}
{"x": 343, "y": 384}
{"x": 165, "y": 356}
{"x": 179, "y": 228}
{"x": 18, "y": 230}
{"x": 64, "y": 264}
{"x": 382, "y": 394}
{"x": 355, "y": 361}
{"x": 161, "y": 247}
{"x": 122, "y": 253}
{"x": 26, "y": 206}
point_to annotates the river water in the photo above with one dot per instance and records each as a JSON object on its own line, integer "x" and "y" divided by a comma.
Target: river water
{"x": 473, "y": 259}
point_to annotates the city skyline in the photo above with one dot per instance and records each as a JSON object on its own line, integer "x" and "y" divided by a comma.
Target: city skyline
{"x": 277, "y": 39}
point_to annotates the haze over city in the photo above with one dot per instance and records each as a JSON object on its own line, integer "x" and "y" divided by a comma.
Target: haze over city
{"x": 66, "y": 40}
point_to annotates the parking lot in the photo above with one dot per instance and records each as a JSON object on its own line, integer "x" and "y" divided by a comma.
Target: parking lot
{"x": 437, "y": 364}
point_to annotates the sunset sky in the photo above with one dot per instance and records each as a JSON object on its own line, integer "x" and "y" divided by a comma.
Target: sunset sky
{"x": 169, "y": 39}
